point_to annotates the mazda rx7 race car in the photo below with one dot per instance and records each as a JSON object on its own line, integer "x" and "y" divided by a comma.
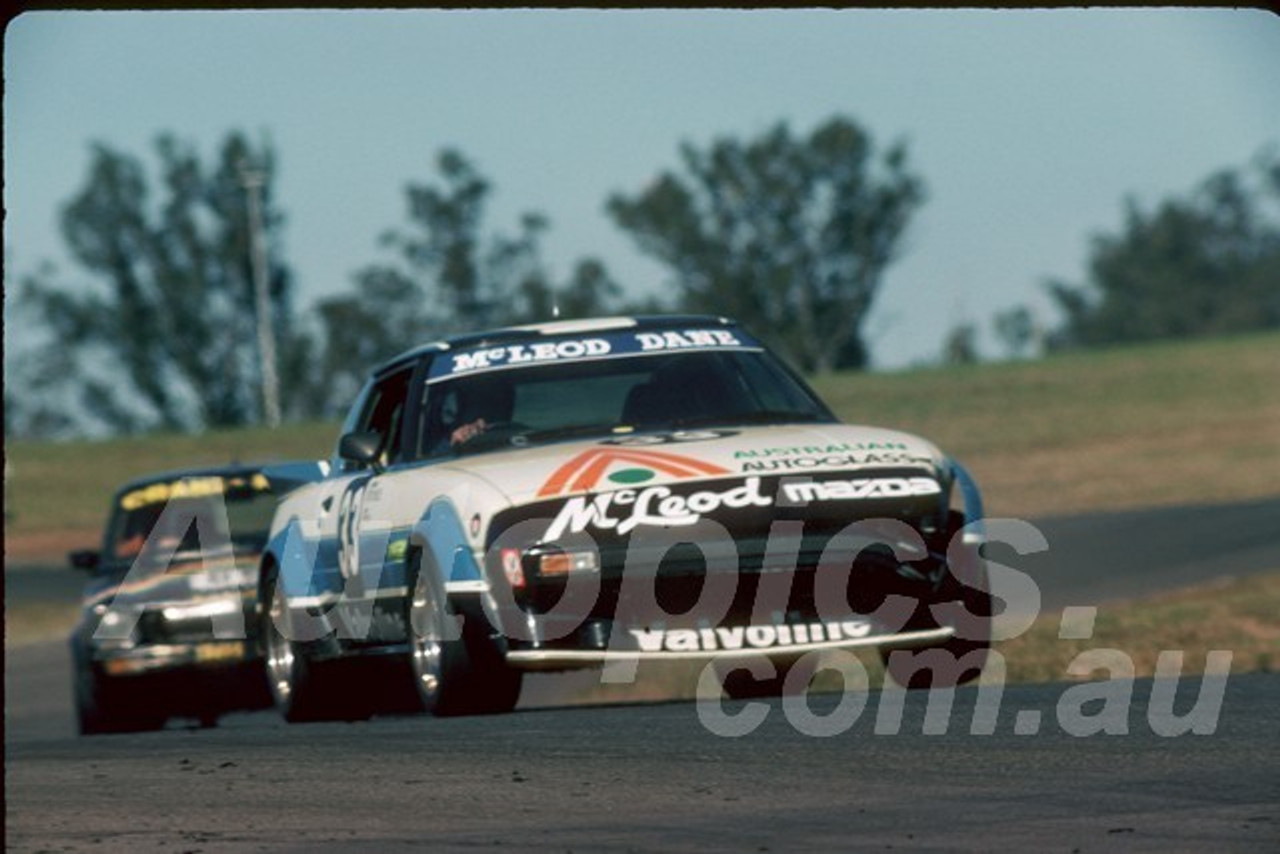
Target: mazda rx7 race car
{"x": 167, "y": 611}
{"x": 600, "y": 494}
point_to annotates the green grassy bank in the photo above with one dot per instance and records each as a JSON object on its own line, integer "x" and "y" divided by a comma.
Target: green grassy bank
{"x": 1140, "y": 426}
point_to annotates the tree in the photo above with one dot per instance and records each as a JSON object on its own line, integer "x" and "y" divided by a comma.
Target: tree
{"x": 447, "y": 276}
{"x": 385, "y": 314}
{"x": 590, "y": 291}
{"x": 960, "y": 347}
{"x": 1016, "y": 329}
{"x": 1208, "y": 264}
{"x": 163, "y": 333}
{"x": 790, "y": 236}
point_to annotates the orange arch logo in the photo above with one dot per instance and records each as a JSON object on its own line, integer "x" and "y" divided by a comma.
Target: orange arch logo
{"x": 585, "y": 470}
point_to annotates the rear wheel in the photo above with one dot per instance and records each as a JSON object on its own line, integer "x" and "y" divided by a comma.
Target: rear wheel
{"x": 453, "y": 672}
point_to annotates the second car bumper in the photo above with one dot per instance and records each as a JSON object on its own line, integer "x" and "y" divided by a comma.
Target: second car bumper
{"x": 154, "y": 658}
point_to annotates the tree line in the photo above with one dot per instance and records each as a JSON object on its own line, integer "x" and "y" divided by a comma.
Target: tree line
{"x": 789, "y": 233}
{"x": 1202, "y": 264}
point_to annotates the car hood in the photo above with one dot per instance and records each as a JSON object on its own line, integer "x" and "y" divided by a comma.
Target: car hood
{"x": 627, "y": 460}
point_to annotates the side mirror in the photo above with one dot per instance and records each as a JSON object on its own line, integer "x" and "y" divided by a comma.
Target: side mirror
{"x": 86, "y": 559}
{"x": 362, "y": 447}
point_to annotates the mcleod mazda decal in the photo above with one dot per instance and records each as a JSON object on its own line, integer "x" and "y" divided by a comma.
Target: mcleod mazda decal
{"x": 653, "y": 506}
{"x": 624, "y": 510}
{"x": 844, "y": 490}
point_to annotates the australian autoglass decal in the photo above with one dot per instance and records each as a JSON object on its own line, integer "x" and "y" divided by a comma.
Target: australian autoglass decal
{"x": 852, "y": 459}
{"x": 478, "y": 360}
{"x": 817, "y": 450}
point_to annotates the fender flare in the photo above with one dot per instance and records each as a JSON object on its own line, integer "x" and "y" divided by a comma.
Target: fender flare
{"x": 971, "y": 497}
{"x": 299, "y": 560}
{"x": 440, "y": 531}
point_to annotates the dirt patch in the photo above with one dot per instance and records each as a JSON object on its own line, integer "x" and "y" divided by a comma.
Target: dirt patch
{"x": 1258, "y": 629}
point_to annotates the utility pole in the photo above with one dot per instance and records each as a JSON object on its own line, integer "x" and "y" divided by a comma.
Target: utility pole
{"x": 252, "y": 181}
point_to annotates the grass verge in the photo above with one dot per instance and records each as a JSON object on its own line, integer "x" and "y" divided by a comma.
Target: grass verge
{"x": 1240, "y": 615}
{"x": 1160, "y": 424}
{"x": 1155, "y": 425}
{"x": 38, "y": 622}
{"x": 57, "y": 493}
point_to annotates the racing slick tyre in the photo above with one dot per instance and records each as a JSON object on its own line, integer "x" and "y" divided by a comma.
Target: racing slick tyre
{"x": 454, "y": 671}
{"x": 297, "y": 684}
{"x": 964, "y": 602}
{"x": 739, "y": 683}
{"x": 101, "y": 707}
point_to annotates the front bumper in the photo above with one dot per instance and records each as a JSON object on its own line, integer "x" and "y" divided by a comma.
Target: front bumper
{"x": 570, "y": 659}
{"x": 685, "y": 613}
{"x": 159, "y": 658}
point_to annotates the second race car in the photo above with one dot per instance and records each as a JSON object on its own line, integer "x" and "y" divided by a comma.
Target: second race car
{"x": 167, "y": 615}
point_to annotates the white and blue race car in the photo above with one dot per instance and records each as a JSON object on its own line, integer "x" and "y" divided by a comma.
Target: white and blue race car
{"x": 602, "y": 493}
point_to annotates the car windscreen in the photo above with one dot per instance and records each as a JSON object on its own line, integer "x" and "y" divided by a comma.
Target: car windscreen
{"x": 542, "y": 403}
{"x": 185, "y": 516}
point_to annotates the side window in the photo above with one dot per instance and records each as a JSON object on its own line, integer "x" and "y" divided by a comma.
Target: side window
{"x": 349, "y": 424}
{"x": 383, "y": 413}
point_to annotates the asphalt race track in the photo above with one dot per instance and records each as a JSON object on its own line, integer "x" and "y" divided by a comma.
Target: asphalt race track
{"x": 651, "y": 778}
{"x": 655, "y": 777}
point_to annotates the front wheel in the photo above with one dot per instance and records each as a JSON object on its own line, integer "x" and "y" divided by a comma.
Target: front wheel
{"x": 965, "y": 603}
{"x": 739, "y": 683}
{"x": 456, "y": 669}
{"x": 104, "y": 706}
{"x": 956, "y": 662}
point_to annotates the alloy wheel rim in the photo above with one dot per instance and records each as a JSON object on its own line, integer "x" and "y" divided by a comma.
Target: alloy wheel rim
{"x": 424, "y": 626}
{"x": 279, "y": 650}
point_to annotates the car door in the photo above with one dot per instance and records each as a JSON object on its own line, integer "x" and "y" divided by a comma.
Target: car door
{"x": 321, "y": 548}
{"x": 383, "y": 414}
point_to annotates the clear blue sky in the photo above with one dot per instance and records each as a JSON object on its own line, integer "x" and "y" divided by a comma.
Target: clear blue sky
{"x": 1030, "y": 127}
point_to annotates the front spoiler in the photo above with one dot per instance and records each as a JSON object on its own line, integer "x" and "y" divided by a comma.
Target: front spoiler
{"x": 573, "y": 659}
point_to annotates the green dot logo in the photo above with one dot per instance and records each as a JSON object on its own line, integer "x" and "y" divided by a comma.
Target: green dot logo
{"x": 631, "y": 476}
